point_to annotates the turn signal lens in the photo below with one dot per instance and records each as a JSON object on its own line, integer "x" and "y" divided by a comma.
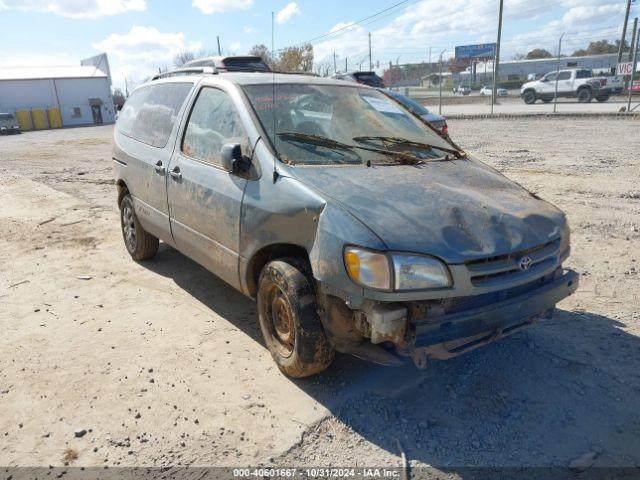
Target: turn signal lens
{"x": 367, "y": 268}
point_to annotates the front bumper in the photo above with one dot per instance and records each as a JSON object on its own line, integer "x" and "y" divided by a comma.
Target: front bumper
{"x": 460, "y": 332}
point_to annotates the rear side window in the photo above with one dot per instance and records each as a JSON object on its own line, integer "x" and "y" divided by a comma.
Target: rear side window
{"x": 583, "y": 74}
{"x": 150, "y": 113}
{"x": 213, "y": 122}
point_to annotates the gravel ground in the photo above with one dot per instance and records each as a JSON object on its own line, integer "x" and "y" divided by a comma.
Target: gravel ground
{"x": 163, "y": 364}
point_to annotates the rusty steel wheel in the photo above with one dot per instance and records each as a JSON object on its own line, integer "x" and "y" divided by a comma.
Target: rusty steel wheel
{"x": 289, "y": 321}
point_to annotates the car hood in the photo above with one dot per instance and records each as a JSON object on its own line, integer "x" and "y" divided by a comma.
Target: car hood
{"x": 455, "y": 210}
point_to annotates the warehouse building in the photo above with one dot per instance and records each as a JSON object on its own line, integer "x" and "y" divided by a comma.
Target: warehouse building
{"x": 54, "y": 97}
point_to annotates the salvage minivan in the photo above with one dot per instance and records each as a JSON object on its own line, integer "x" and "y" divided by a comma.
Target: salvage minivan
{"x": 355, "y": 225}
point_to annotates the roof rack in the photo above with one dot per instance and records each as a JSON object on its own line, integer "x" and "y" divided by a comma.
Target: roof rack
{"x": 187, "y": 71}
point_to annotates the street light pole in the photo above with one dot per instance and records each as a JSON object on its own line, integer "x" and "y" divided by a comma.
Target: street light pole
{"x": 624, "y": 31}
{"x": 633, "y": 63}
{"x": 555, "y": 96}
{"x": 370, "y": 59}
{"x": 440, "y": 84}
{"x": 496, "y": 61}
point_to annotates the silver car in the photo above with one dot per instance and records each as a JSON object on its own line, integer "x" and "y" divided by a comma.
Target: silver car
{"x": 9, "y": 123}
{"x": 355, "y": 226}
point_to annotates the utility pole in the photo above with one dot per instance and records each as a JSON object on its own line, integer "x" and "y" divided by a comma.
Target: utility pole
{"x": 335, "y": 65}
{"x": 440, "y": 85}
{"x": 219, "y": 49}
{"x": 634, "y": 61}
{"x": 370, "y": 59}
{"x": 555, "y": 96}
{"x": 633, "y": 38}
{"x": 496, "y": 60}
{"x": 346, "y": 64}
{"x": 624, "y": 31}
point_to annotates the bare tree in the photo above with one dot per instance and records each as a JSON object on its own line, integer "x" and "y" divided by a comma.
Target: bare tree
{"x": 183, "y": 57}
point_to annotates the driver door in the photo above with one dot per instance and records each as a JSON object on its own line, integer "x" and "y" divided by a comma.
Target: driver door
{"x": 205, "y": 199}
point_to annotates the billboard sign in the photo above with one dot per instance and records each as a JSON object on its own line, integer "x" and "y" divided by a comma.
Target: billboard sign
{"x": 482, "y": 50}
{"x": 625, "y": 68}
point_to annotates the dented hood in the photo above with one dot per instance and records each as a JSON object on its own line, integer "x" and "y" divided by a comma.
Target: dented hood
{"x": 455, "y": 210}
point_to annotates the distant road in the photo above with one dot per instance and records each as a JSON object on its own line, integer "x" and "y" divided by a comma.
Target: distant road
{"x": 516, "y": 105}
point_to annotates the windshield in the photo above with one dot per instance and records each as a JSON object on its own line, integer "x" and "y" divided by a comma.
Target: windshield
{"x": 334, "y": 124}
{"x": 6, "y": 116}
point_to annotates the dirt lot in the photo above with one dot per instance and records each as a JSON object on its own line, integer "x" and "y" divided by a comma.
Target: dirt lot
{"x": 161, "y": 363}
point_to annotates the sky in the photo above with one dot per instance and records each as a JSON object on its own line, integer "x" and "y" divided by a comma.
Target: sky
{"x": 141, "y": 36}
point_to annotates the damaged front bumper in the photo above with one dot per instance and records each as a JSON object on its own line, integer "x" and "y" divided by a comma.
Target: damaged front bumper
{"x": 395, "y": 330}
{"x": 457, "y": 333}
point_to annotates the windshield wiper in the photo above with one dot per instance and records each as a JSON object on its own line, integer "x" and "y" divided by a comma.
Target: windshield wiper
{"x": 410, "y": 143}
{"x": 400, "y": 157}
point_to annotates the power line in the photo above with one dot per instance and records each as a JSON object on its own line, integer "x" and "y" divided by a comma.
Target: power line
{"x": 352, "y": 24}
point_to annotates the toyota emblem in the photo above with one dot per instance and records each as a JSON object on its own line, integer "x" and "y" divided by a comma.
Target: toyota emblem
{"x": 525, "y": 263}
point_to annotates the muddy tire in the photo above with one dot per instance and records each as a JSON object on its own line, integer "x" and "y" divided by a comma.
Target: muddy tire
{"x": 603, "y": 98}
{"x": 529, "y": 97}
{"x": 140, "y": 244}
{"x": 289, "y": 319}
{"x": 585, "y": 95}
{"x": 546, "y": 99}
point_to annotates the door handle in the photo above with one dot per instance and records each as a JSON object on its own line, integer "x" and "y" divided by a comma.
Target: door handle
{"x": 159, "y": 168}
{"x": 175, "y": 174}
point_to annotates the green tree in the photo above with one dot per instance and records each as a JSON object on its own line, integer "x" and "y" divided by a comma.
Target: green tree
{"x": 538, "y": 53}
{"x": 295, "y": 59}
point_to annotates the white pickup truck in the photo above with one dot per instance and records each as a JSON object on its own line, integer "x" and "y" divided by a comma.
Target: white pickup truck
{"x": 580, "y": 84}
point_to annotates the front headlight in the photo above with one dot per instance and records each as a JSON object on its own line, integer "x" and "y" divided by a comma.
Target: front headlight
{"x": 417, "y": 272}
{"x": 367, "y": 268}
{"x": 395, "y": 271}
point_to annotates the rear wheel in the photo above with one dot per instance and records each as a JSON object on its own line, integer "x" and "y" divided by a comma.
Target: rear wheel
{"x": 140, "y": 244}
{"x": 603, "y": 98}
{"x": 529, "y": 97}
{"x": 289, "y": 319}
{"x": 546, "y": 99}
{"x": 585, "y": 95}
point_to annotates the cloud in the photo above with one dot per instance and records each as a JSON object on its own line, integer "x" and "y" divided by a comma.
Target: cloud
{"x": 248, "y": 29}
{"x": 235, "y": 47}
{"x": 139, "y": 53}
{"x": 408, "y": 34}
{"x": 209, "y": 7}
{"x": 76, "y": 8}
{"x": 288, "y": 12}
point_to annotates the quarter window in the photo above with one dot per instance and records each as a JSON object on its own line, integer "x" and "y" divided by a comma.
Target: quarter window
{"x": 150, "y": 113}
{"x": 214, "y": 122}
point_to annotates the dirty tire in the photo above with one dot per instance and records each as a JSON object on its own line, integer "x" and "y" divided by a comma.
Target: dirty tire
{"x": 546, "y": 99}
{"x": 602, "y": 98}
{"x": 585, "y": 95}
{"x": 289, "y": 319}
{"x": 529, "y": 97}
{"x": 140, "y": 244}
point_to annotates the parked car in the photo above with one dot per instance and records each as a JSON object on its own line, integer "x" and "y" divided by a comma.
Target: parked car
{"x": 231, "y": 63}
{"x": 485, "y": 91}
{"x": 577, "y": 83}
{"x": 364, "y": 78}
{"x": 635, "y": 88}
{"x": 436, "y": 121}
{"x": 462, "y": 90}
{"x": 355, "y": 231}
{"x": 9, "y": 123}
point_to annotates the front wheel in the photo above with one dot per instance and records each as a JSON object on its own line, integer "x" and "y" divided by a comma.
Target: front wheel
{"x": 289, "y": 319}
{"x": 585, "y": 95}
{"x": 140, "y": 244}
{"x": 529, "y": 97}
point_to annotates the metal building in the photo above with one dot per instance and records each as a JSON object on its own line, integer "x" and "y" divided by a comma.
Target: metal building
{"x": 53, "y": 97}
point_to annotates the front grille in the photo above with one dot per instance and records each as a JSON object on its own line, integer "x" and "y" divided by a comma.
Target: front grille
{"x": 497, "y": 270}
{"x": 432, "y": 310}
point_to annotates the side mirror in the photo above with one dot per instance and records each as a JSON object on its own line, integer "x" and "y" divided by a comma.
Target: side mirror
{"x": 232, "y": 159}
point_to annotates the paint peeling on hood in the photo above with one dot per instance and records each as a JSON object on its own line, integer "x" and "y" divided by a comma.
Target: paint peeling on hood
{"x": 456, "y": 210}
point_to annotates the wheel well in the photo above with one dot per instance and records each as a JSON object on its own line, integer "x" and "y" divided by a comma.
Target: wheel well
{"x": 122, "y": 190}
{"x": 584, "y": 87}
{"x": 265, "y": 255}
{"x": 532, "y": 90}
